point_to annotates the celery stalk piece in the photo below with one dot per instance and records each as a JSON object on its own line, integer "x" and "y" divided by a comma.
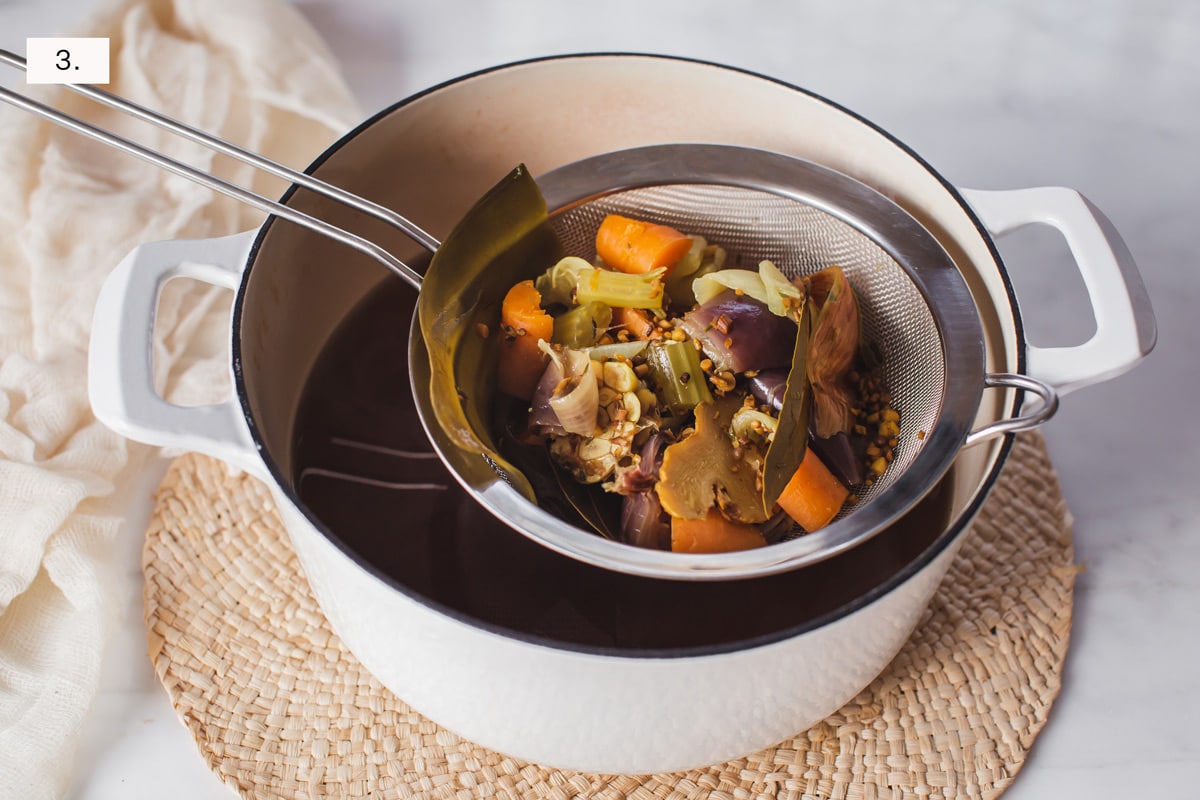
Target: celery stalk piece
{"x": 675, "y": 367}
{"x": 619, "y": 289}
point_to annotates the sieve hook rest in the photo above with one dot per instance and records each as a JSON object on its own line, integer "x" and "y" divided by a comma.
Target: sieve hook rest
{"x": 1027, "y": 419}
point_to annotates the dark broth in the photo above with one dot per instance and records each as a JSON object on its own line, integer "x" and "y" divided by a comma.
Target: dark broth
{"x": 410, "y": 521}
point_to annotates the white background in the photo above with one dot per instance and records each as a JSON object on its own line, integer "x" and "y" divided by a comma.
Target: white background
{"x": 1103, "y": 97}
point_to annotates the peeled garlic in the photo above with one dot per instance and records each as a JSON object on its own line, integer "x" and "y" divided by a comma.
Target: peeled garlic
{"x": 619, "y": 376}
{"x": 633, "y": 406}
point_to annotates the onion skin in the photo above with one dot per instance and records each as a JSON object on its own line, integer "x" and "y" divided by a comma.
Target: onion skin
{"x": 576, "y": 404}
{"x": 542, "y": 419}
{"x": 739, "y": 333}
{"x": 566, "y": 398}
{"x": 835, "y": 337}
{"x": 643, "y": 522}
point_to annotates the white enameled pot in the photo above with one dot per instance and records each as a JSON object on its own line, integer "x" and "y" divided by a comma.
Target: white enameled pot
{"x": 594, "y": 708}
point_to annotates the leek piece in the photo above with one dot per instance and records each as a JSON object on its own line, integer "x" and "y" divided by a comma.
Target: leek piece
{"x": 702, "y": 259}
{"x": 675, "y": 367}
{"x": 781, "y": 293}
{"x": 626, "y": 349}
{"x": 577, "y": 397}
{"x": 768, "y": 286}
{"x": 557, "y": 284}
{"x": 581, "y": 326}
{"x": 620, "y": 289}
{"x": 753, "y": 425}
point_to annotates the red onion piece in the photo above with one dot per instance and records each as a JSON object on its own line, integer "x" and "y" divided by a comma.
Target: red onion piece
{"x": 769, "y": 386}
{"x": 739, "y": 333}
{"x": 643, "y": 522}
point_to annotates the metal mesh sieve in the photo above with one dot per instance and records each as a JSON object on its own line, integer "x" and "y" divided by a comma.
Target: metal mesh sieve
{"x": 915, "y": 305}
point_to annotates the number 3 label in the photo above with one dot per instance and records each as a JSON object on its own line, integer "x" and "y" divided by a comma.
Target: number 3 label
{"x": 66, "y": 60}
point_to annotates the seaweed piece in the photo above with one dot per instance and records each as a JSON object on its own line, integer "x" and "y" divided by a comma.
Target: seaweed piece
{"x": 491, "y": 248}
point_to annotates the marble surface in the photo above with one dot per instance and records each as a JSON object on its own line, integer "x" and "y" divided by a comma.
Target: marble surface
{"x": 1103, "y": 97}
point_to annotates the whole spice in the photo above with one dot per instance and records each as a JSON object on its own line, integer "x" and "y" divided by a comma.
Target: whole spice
{"x": 877, "y": 421}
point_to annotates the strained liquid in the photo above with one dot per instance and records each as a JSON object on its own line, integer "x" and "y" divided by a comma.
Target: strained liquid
{"x": 363, "y": 468}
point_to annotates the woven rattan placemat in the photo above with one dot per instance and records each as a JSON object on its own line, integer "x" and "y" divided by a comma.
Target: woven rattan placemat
{"x": 279, "y": 709}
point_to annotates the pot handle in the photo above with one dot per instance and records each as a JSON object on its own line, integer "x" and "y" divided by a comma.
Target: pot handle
{"x": 1125, "y": 326}
{"x": 121, "y": 360}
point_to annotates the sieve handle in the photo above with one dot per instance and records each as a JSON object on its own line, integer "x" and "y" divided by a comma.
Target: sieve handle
{"x": 1125, "y": 327}
{"x": 1028, "y": 418}
{"x": 121, "y": 358}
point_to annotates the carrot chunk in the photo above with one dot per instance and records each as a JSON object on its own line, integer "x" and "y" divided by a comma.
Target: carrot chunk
{"x": 713, "y": 534}
{"x": 630, "y": 245}
{"x": 813, "y": 496}
{"x": 637, "y": 322}
{"x": 522, "y": 323}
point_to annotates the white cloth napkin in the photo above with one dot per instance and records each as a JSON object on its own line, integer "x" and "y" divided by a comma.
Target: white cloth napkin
{"x": 251, "y": 71}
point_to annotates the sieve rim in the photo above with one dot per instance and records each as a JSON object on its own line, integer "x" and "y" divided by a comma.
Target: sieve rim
{"x": 885, "y": 223}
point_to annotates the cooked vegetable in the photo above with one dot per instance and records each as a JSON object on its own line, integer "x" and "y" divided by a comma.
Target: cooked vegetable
{"x": 768, "y": 387}
{"x": 768, "y": 286}
{"x": 636, "y": 322}
{"x": 522, "y": 324}
{"x": 642, "y": 474}
{"x": 575, "y": 398}
{"x": 690, "y": 262}
{"x": 581, "y": 326}
{"x": 713, "y": 534}
{"x": 701, "y": 416}
{"x": 678, "y": 376}
{"x": 813, "y": 496}
{"x": 620, "y": 290}
{"x": 704, "y": 468}
{"x": 742, "y": 281}
{"x": 841, "y": 456}
{"x": 751, "y": 425}
{"x": 619, "y": 376}
{"x": 617, "y": 350}
{"x": 702, "y": 259}
{"x": 590, "y": 412}
{"x": 557, "y": 284}
{"x": 542, "y": 420}
{"x": 740, "y": 333}
{"x": 834, "y": 347}
{"x": 643, "y": 522}
{"x": 783, "y": 296}
{"x": 632, "y": 246}
{"x": 819, "y": 284}
{"x": 592, "y": 459}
